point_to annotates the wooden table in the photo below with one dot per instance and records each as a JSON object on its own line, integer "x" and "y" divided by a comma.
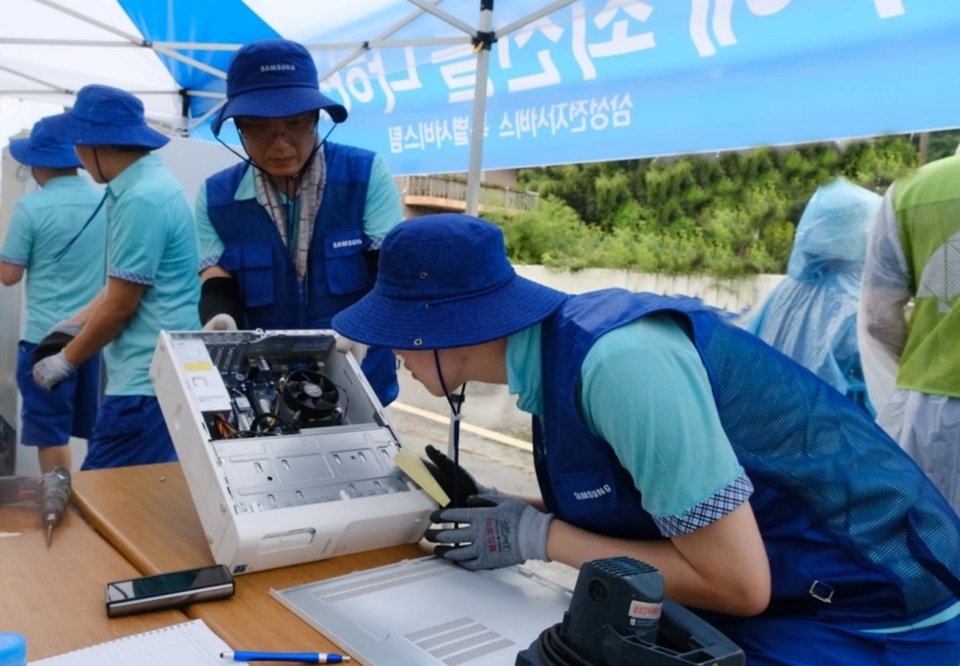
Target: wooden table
{"x": 55, "y": 596}
{"x": 147, "y": 514}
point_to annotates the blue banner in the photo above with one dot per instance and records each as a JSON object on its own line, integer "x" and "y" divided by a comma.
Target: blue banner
{"x": 618, "y": 79}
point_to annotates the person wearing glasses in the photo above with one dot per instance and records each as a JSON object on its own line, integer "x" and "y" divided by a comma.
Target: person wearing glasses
{"x": 63, "y": 275}
{"x": 290, "y": 236}
{"x": 152, "y": 279}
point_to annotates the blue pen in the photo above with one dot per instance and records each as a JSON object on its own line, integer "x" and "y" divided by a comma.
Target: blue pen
{"x": 300, "y": 657}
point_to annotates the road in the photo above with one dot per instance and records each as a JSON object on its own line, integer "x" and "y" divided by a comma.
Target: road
{"x": 494, "y": 434}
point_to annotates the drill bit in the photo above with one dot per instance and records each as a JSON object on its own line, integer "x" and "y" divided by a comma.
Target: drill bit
{"x": 54, "y": 496}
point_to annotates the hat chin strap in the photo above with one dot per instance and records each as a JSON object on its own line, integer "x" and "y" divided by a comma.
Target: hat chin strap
{"x": 96, "y": 160}
{"x": 293, "y": 180}
{"x": 456, "y": 405}
{"x": 246, "y": 158}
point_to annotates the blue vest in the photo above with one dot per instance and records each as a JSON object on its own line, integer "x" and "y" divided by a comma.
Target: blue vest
{"x": 879, "y": 552}
{"x": 338, "y": 274}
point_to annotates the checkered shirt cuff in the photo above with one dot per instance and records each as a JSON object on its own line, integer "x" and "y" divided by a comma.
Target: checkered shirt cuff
{"x": 709, "y": 510}
{"x": 130, "y": 276}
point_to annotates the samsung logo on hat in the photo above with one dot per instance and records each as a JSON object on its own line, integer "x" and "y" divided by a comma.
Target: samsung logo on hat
{"x": 279, "y": 67}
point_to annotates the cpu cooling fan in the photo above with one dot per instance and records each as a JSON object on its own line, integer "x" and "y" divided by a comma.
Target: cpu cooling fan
{"x": 310, "y": 399}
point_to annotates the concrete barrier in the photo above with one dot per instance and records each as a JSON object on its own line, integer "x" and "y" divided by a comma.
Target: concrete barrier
{"x": 737, "y": 295}
{"x": 491, "y": 407}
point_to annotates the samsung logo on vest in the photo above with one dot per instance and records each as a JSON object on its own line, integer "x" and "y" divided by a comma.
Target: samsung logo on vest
{"x": 281, "y": 67}
{"x": 347, "y": 243}
{"x": 593, "y": 494}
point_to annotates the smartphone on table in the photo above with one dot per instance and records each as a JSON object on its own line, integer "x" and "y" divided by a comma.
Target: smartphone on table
{"x": 168, "y": 590}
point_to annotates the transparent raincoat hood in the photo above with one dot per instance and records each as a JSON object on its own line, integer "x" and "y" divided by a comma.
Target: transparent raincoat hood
{"x": 811, "y": 316}
{"x": 832, "y": 233}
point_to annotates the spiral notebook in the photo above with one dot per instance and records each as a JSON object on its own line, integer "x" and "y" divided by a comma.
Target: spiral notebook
{"x": 186, "y": 644}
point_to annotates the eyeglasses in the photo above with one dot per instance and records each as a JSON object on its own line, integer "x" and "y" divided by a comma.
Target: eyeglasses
{"x": 267, "y": 132}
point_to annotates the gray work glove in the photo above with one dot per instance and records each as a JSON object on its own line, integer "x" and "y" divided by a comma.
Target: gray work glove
{"x": 444, "y": 472}
{"x": 221, "y": 322}
{"x": 52, "y": 370}
{"x": 358, "y": 349}
{"x": 58, "y": 337}
{"x": 500, "y": 531}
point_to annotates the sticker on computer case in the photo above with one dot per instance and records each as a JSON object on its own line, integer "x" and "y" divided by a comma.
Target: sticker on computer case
{"x": 202, "y": 376}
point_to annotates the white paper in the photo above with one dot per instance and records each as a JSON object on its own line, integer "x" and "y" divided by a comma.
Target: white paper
{"x": 186, "y": 644}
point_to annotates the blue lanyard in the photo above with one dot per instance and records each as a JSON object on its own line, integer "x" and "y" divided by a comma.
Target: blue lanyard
{"x": 66, "y": 248}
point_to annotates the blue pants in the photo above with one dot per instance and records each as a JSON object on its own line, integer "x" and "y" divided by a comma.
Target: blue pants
{"x": 130, "y": 430}
{"x": 791, "y": 642}
{"x": 49, "y": 418}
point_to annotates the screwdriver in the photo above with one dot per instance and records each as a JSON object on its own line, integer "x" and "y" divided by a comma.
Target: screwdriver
{"x": 54, "y": 495}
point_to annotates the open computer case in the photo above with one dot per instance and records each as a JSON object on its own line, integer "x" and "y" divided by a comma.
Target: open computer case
{"x": 286, "y": 450}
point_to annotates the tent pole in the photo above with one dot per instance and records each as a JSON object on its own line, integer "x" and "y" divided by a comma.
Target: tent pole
{"x": 432, "y": 8}
{"x": 139, "y": 41}
{"x": 363, "y": 48}
{"x": 53, "y": 88}
{"x": 184, "y": 129}
{"x": 483, "y": 41}
{"x": 199, "y": 121}
{"x": 530, "y": 18}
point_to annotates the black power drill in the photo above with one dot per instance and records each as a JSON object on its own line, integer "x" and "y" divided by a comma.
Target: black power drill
{"x": 55, "y": 492}
{"x": 618, "y": 617}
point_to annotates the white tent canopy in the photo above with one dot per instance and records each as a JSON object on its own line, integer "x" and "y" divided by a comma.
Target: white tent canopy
{"x": 49, "y": 50}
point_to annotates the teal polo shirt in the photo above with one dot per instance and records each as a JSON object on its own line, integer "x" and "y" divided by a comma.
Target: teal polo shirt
{"x": 644, "y": 391}
{"x": 41, "y": 226}
{"x": 151, "y": 241}
{"x": 381, "y": 213}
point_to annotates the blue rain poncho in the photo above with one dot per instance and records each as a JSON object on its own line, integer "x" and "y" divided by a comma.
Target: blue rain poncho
{"x": 812, "y": 315}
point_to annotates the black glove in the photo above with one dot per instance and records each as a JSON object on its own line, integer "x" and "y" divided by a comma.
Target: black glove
{"x": 58, "y": 337}
{"x": 444, "y": 471}
{"x": 220, "y": 295}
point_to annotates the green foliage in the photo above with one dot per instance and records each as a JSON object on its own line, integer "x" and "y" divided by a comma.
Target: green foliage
{"x": 552, "y": 235}
{"x": 726, "y": 217}
{"x": 942, "y": 144}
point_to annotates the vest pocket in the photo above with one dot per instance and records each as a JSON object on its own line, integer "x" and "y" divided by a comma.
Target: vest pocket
{"x": 346, "y": 267}
{"x": 232, "y": 258}
{"x": 257, "y": 275}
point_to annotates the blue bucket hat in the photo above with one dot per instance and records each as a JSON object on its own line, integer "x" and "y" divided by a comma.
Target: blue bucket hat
{"x": 444, "y": 281}
{"x": 105, "y": 116}
{"x": 41, "y": 149}
{"x": 274, "y": 78}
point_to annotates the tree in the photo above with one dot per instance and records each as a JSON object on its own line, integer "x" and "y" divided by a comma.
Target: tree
{"x": 727, "y": 216}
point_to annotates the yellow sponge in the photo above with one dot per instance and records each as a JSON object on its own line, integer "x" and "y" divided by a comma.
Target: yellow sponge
{"x": 411, "y": 463}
